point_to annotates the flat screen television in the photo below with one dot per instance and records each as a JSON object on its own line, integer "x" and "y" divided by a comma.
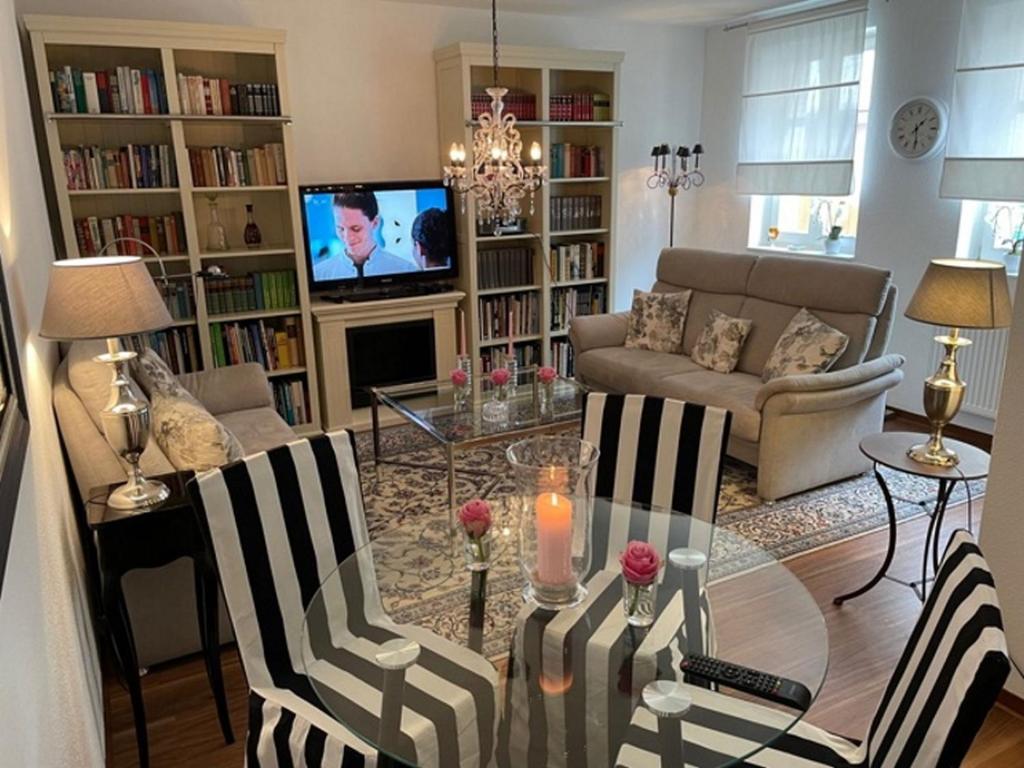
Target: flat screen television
{"x": 378, "y": 233}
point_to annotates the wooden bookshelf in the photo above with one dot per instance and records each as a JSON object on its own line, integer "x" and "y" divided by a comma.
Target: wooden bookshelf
{"x": 237, "y": 54}
{"x": 464, "y": 69}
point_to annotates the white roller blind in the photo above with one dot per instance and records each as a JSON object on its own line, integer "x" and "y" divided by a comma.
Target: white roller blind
{"x": 985, "y": 150}
{"x": 800, "y": 93}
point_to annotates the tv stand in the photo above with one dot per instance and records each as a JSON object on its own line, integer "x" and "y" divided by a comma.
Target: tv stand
{"x": 384, "y": 292}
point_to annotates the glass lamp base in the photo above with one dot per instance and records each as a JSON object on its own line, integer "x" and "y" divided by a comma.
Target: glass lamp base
{"x": 138, "y": 495}
{"x": 555, "y": 599}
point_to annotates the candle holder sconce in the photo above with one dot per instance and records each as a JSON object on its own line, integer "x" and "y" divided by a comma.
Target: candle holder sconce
{"x": 675, "y": 174}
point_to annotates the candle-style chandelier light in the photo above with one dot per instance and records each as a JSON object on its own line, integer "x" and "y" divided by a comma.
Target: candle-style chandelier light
{"x": 497, "y": 178}
{"x": 678, "y": 176}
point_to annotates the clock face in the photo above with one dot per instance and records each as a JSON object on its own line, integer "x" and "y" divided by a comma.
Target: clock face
{"x": 917, "y": 128}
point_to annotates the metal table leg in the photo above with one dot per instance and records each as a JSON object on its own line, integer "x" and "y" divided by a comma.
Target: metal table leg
{"x": 890, "y": 551}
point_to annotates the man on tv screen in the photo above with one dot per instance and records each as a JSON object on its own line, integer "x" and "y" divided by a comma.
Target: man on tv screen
{"x": 357, "y": 221}
{"x": 431, "y": 239}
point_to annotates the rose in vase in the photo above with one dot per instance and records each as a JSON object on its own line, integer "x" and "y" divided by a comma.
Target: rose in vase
{"x": 475, "y": 518}
{"x": 640, "y": 563}
{"x": 546, "y": 374}
{"x": 459, "y": 378}
{"x": 499, "y": 377}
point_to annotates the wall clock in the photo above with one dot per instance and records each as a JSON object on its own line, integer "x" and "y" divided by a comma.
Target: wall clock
{"x": 918, "y": 128}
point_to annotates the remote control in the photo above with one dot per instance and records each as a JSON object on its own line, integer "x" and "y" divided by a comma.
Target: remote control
{"x": 778, "y": 689}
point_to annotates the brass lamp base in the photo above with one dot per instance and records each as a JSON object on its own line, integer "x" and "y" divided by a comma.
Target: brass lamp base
{"x": 943, "y": 393}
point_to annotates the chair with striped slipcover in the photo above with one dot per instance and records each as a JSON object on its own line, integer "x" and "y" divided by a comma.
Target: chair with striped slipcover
{"x": 280, "y": 522}
{"x": 945, "y": 683}
{"x": 658, "y": 451}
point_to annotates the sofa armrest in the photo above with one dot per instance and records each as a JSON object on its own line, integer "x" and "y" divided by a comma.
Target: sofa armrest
{"x": 232, "y": 388}
{"x": 824, "y": 391}
{"x": 593, "y": 331}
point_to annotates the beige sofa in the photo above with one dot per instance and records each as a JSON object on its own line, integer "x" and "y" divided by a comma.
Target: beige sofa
{"x": 161, "y": 601}
{"x": 800, "y": 431}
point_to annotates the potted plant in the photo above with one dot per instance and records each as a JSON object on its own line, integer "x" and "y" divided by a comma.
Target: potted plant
{"x": 831, "y": 225}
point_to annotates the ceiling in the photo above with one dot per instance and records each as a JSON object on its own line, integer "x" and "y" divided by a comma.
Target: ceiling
{"x": 665, "y": 11}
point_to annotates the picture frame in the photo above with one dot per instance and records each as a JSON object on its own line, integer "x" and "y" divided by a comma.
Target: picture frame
{"x": 14, "y": 426}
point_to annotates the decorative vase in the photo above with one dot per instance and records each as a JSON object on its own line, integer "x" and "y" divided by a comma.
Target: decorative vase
{"x": 495, "y": 410}
{"x": 252, "y": 236}
{"x": 555, "y": 479}
{"x": 460, "y": 395}
{"x": 547, "y": 397}
{"x": 477, "y": 551}
{"x": 832, "y": 246}
{"x": 216, "y": 235}
{"x": 638, "y": 602}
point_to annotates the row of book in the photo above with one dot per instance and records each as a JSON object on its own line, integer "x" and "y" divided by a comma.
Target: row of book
{"x": 504, "y": 267}
{"x": 165, "y": 234}
{"x": 580, "y": 107}
{"x": 562, "y": 358}
{"x": 133, "y": 166}
{"x": 576, "y": 161}
{"x": 257, "y": 290}
{"x": 122, "y": 90}
{"x": 577, "y": 261}
{"x": 497, "y": 357}
{"x": 522, "y": 105}
{"x": 216, "y": 96}
{"x": 177, "y": 346}
{"x": 290, "y": 401}
{"x": 567, "y": 303}
{"x": 518, "y": 312}
{"x": 230, "y": 167}
{"x": 177, "y": 295}
{"x": 275, "y": 348}
{"x": 571, "y": 212}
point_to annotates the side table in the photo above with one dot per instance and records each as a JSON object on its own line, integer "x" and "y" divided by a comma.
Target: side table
{"x": 889, "y": 449}
{"x": 150, "y": 538}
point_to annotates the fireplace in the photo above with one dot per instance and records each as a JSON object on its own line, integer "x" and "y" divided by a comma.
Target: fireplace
{"x": 394, "y": 353}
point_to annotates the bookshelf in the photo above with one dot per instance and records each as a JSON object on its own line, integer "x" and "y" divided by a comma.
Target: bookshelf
{"x": 252, "y": 60}
{"x": 464, "y": 70}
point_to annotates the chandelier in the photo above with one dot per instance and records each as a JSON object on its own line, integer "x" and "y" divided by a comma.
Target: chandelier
{"x": 497, "y": 177}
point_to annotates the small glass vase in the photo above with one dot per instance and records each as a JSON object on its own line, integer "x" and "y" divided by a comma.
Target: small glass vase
{"x": 638, "y": 602}
{"x": 216, "y": 235}
{"x": 546, "y": 397}
{"x": 495, "y": 410}
{"x": 477, "y": 551}
{"x": 252, "y": 236}
{"x": 460, "y": 396}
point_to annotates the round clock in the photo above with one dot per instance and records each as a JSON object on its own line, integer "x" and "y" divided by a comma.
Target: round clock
{"x": 918, "y": 128}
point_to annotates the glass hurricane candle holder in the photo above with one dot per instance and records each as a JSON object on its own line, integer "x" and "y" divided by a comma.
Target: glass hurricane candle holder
{"x": 554, "y": 479}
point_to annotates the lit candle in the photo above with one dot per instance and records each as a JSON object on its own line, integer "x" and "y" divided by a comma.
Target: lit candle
{"x": 462, "y": 333}
{"x": 554, "y": 539}
{"x": 511, "y": 335}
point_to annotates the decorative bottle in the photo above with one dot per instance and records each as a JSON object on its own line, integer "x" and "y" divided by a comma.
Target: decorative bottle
{"x": 252, "y": 236}
{"x": 216, "y": 235}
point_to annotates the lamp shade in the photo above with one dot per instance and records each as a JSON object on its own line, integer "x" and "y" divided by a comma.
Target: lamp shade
{"x": 962, "y": 293}
{"x": 101, "y": 298}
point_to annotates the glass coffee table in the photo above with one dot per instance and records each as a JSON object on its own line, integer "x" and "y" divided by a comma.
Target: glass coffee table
{"x": 434, "y": 408}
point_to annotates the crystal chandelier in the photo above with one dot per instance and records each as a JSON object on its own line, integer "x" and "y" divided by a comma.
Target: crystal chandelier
{"x": 497, "y": 177}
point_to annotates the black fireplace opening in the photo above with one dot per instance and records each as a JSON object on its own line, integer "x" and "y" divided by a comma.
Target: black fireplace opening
{"x": 383, "y": 355}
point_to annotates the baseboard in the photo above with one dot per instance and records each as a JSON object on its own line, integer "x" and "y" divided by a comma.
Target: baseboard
{"x": 918, "y": 422}
{"x": 1012, "y": 702}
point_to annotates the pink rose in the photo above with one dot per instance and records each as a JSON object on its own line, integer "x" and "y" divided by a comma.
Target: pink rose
{"x": 475, "y": 517}
{"x": 459, "y": 377}
{"x": 547, "y": 374}
{"x": 499, "y": 377}
{"x": 640, "y": 563}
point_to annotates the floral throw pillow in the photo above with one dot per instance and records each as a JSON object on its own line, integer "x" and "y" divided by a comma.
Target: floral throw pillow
{"x": 806, "y": 346}
{"x": 656, "y": 321}
{"x": 150, "y": 370}
{"x": 720, "y": 341}
{"x": 189, "y": 435}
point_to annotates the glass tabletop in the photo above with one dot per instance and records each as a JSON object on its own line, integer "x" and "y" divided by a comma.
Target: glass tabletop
{"x": 498, "y": 681}
{"x": 438, "y": 408}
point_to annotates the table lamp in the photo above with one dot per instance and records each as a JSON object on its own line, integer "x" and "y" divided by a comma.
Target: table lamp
{"x": 105, "y": 298}
{"x": 959, "y": 293}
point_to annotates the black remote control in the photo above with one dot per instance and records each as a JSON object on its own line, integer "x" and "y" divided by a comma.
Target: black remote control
{"x": 778, "y": 689}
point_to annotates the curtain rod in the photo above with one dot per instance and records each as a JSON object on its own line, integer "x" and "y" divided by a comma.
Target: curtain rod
{"x": 792, "y": 9}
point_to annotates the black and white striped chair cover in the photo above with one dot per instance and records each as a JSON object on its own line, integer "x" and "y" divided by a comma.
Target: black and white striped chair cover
{"x": 658, "y": 451}
{"x": 280, "y": 522}
{"x": 946, "y": 681}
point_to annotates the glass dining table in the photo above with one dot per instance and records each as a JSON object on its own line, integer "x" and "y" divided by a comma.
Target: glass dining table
{"x": 436, "y": 666}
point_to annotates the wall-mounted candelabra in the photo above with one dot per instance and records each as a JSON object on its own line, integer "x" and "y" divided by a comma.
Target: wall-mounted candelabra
{"x": 675, "y": 174}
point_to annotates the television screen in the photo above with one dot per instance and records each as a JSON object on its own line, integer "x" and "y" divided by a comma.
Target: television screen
{"x": 376, "y": 233}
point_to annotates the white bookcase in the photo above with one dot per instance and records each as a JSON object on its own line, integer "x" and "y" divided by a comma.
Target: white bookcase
{"x": 238, "y": 54}
{"x": 464, "y": 69}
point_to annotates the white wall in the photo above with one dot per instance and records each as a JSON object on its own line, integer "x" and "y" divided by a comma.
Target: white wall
{"x": 50, "y": 690}
{"x": 903, "y": 223}
{"x": 362, "y": 78}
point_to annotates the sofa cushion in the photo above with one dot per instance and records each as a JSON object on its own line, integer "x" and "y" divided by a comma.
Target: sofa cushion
{"x": 258, "y": 429}
{"x": 701, "y": 305}
{"x": 819, "y": 284}
{"x": 720, "y": 341}
{"x": 629, "y": 371}
{"x": 733, "y": 391}
{"x": 708, "y": 271}
{"x": 154, "y": 375}
{"x": 656, "y": 321}
{"x": 190, "y": 436}
{"x": 806, "y": 346}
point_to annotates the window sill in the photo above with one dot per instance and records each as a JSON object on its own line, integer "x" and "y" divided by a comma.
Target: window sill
{"x": 800, "y": 252}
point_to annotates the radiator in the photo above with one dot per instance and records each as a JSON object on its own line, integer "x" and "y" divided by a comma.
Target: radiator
{"x": 981, "y": 366}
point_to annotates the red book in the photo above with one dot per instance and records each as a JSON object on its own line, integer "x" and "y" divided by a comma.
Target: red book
{"x": 103, "y": 89}
{"x": 147, "y": 104}
{"x": 225, "y": 97}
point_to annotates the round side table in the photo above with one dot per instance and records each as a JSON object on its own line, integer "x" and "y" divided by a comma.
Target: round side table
{"x": 889, "y": 449}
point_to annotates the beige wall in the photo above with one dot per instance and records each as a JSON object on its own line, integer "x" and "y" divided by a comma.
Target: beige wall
{"x": 50, "y": 690}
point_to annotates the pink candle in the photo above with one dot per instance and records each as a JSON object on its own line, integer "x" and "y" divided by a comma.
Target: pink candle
{"x": 462, "y": 333}
{"x": 554, "y": 539}
{"x": 511, "y": 336}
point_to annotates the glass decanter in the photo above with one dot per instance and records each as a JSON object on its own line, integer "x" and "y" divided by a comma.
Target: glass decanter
{"x": 252, "y": 236}
{"x": 216, "y": 235}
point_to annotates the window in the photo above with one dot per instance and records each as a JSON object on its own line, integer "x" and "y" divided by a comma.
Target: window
{"x": 802, "y": 223}
{"x": 993, "y": 231}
